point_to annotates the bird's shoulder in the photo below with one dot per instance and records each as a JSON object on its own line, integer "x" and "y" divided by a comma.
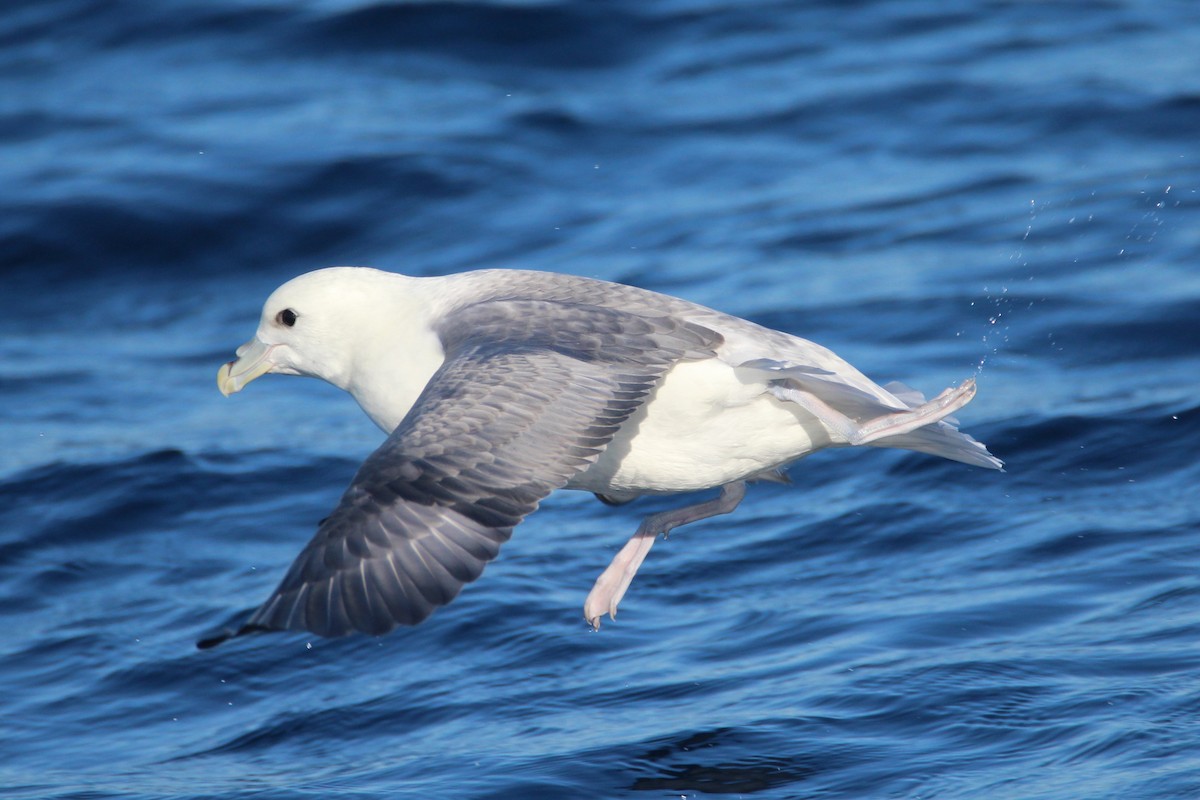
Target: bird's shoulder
{"x": 570, "y": 313}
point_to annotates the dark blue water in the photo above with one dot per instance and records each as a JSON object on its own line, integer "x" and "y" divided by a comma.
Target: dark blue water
{"x": 935, "y": 190}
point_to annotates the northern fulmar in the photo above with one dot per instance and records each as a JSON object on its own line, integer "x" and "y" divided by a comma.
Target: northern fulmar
{"x": 497, "y": 387}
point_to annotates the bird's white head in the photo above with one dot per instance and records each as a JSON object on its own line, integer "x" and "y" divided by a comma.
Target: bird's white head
{"x": 321, "y": 324}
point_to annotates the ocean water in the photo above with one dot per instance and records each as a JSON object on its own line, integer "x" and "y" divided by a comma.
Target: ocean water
{"x": 1006, "y": 190}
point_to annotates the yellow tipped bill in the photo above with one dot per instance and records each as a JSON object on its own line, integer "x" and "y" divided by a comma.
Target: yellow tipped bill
{"x": 254, "y": 359}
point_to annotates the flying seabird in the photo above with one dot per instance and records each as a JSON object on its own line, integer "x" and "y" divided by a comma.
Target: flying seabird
{"x": 497, "y": 387}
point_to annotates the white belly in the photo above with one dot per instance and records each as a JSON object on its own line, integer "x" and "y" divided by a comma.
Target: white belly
{"x": 706, "y": 425}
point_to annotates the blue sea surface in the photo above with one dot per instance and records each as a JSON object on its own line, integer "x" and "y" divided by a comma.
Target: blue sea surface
{"x": 1003, "y": 189}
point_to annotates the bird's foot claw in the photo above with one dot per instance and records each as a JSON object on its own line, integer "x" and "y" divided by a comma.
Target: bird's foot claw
{"x": 605, "y": 595}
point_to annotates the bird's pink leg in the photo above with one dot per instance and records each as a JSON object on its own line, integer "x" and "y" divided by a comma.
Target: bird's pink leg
{"x": 610, "y": 587}
{"x": 847, "y": 431}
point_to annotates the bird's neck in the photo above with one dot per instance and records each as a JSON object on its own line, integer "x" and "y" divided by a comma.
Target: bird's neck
{"x": 392, "y": 367}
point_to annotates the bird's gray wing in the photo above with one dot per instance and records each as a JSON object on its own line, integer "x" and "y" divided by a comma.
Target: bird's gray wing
{"x": 529, "y": 395}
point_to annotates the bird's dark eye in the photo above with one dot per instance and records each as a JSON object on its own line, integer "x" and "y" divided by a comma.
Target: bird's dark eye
{"x": 286, "y": 318}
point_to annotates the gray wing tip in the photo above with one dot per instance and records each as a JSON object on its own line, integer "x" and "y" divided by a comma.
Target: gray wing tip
{"x": 225, "y": 634}
{"x": 432, "y": 552}
{"x": 209, "y": 642}
{"x": 256, "y": 626}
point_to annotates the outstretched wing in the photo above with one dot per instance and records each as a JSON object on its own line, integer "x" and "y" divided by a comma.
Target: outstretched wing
{"x": 529, "y": 395}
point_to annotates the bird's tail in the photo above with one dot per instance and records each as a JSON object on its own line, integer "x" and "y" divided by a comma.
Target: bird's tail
{"x": 942, "y": 438}
{"x": 856, "y": 410}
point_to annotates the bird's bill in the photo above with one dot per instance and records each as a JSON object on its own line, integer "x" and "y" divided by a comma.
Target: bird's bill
{"x": 253, "y": 359}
